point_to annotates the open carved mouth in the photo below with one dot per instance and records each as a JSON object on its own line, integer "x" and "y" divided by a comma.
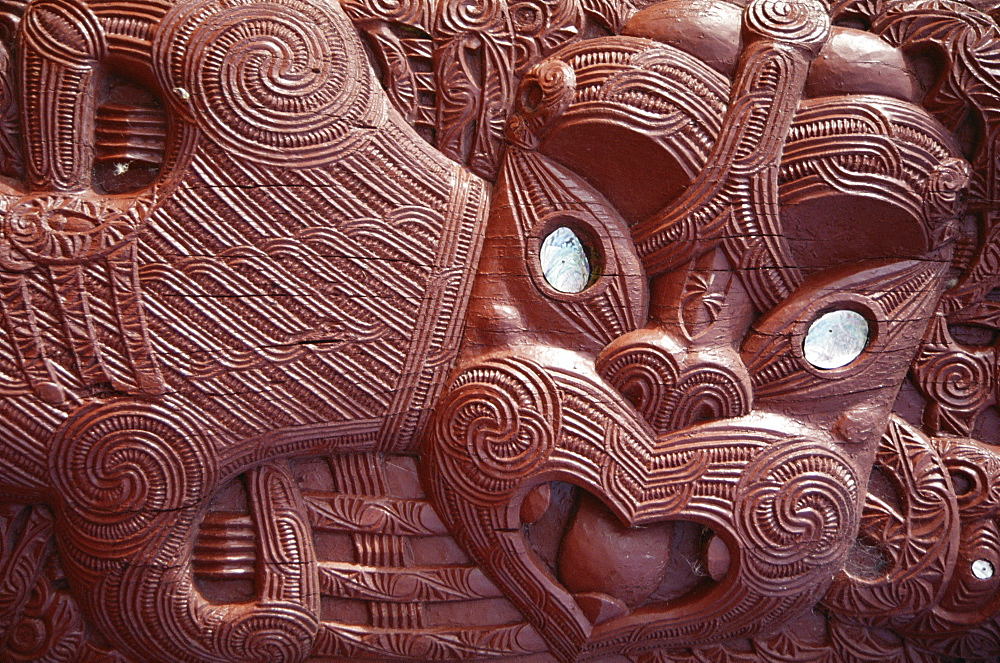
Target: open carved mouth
{"x": 712, "y": 530}
{"x": 613, "y": 570}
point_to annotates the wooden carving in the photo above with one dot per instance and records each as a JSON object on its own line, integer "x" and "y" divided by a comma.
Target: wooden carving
{"x": 515, "y": 330}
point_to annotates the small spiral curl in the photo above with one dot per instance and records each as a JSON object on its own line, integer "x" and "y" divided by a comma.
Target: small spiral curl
{"x": 796, "y": 512}
{"x": 498, "y": 422}
{"x": 280, "y": 83}
{"x": 802, "y": 22}
{"x": 955, "y": 380}
{"x": 470, "y": 16}
{"x": 121, "y": 468}
{"x": 279, "y": 634}
{"x": 556, "y": 78}
{"x": 408, "y": 12}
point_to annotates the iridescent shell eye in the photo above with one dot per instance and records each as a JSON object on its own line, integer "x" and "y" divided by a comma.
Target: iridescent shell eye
{"x": 564, "y": 261}
{"x": 835, "y": 339}
{"x": 982, "y": 569}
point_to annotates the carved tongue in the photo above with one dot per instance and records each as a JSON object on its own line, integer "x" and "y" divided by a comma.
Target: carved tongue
{"x": 601, "y": 555}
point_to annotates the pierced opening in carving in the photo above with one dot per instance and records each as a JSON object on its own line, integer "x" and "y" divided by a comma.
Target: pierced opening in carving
{"x": 564, "y": 260}
{"x": 982, "y": 569}
{"x": 225, "y": 550}
{"x": 855, "y": 21}
{"x": 961, "y": 483}
{"x": 130, "y": 137}
{"x": 531, "y": 97}
{"x": 835, "y": 339}
{"x": 973, "y": 335}
{"x": 545, "y": 531}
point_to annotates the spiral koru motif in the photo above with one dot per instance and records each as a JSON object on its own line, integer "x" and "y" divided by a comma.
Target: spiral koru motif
{"x": 645, "y": 374}
{"x": 455, "y": 18}
{"x": 279, "y": 635}
{"x": 123, "y": 467}
{"x": 955, "y": 380}
{"x": 546, "y": 92}
{"x": 279, "y": 82}
{"x": 556, "y": 79}
{"x": 795, "y": 516}
{"x": 498, "y": 422}
{"x": 802, "y": 22}
{"x": 408, "y": 12}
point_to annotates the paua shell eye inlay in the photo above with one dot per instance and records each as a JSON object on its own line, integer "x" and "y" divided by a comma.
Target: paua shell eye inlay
{"x": 564, "y": 261}
{"x": 835, "y": 339}
{"x": 982, "y": 569}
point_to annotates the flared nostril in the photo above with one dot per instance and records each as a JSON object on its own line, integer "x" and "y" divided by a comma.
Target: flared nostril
{"x": 674, "y": 386}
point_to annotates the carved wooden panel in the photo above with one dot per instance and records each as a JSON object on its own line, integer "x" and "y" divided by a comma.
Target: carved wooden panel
{"x": 516, "y": 330}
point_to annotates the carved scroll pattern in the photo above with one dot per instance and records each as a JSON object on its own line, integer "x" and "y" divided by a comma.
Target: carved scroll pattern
{"x": 283, "y": 376}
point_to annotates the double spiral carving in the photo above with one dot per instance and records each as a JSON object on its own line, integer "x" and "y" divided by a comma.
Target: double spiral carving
{"x": 122, "y": 468}
{"x": 802, "y": 22}
{"x": 668, "y": 397}
{"x": 279, "y": 82}
{"x": 497, "y": 424}
{"x": 796, "y": 513}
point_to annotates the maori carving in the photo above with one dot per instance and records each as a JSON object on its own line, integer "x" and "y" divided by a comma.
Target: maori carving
{"x": 515, "y": 330}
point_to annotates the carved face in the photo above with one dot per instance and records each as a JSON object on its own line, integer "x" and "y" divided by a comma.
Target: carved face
{"x": 489, "y": 329}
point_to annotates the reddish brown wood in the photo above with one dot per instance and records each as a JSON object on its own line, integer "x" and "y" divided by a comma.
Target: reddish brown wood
{"x": 290, "y": 369}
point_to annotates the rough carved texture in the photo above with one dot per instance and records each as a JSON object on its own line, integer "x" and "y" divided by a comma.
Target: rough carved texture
{"x": 282, "y": 378}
